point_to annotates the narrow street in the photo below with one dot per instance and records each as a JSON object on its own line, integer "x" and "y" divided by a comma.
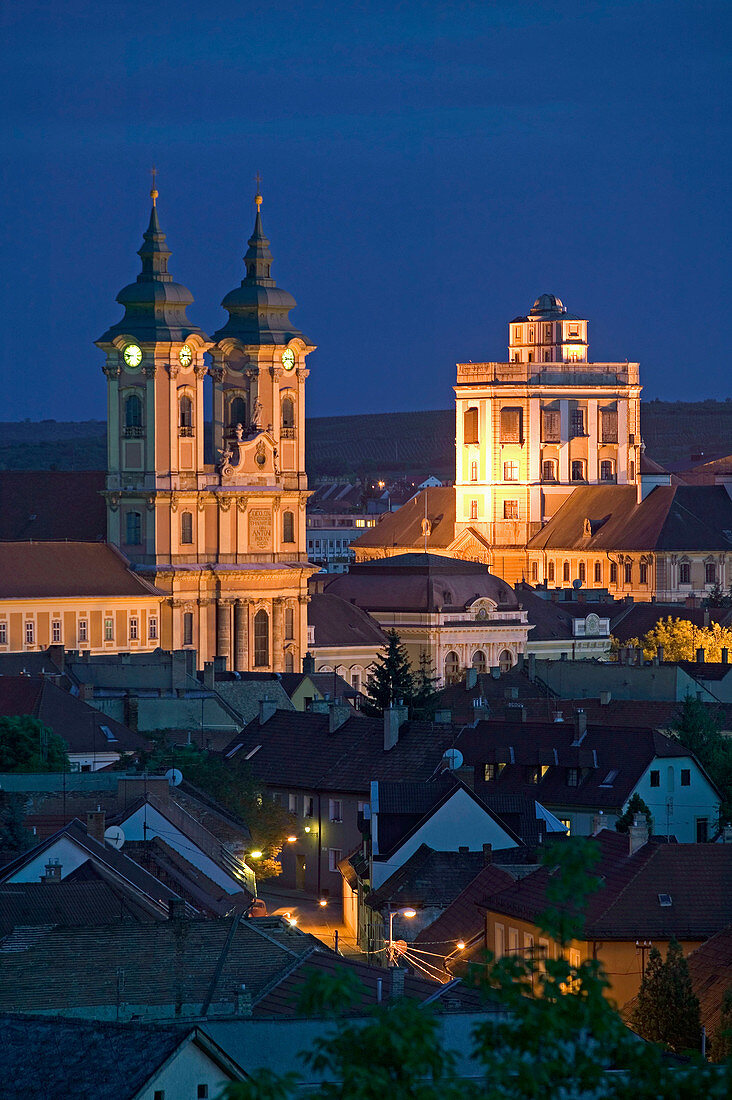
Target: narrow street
{"x": 323, "y": 922}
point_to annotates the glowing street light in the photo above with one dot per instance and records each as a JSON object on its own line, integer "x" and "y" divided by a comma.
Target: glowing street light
{"x": 291, "y": 839}
{"x": 323, "y": 902}
{"x": 256, "y": 855}
{"x": 408, "y": 912}
{"x": 460, "y": 945}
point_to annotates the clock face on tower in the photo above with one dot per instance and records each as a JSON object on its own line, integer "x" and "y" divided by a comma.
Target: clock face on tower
{"x": 185, "y": 355}
{"x": 288, "y": 359}
{"x": 132, "y": 355}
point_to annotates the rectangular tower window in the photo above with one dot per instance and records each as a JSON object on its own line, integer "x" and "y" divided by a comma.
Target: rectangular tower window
{"x": 550, "y": 425}
{"x": 607, "y": 470}
{"x": 470, "y": 425}
{"x": 510, "y": 471}
{"x": 56, "y": 630}
{"x": 510, "y": 509}
{"x": 534, "y": 571}
{"x": 548, "y": 470}
{"x": 578, "y": 469}
{"x": 613, "y": 573}
{"x": 598, "y": 573}
{"x": 578, "y": 422}
{"x": 3, "y": 633}
{"x": 109, "y": 630}
{"x": 608, "y": 426}
{"x": 510, "y": 424}
{"x": 473, "y": 471}
{"x": 628, "y": 572}
{"x": 474, "y": 509}
{"x": 643, "y": 573}
{"x": 289, "y": 624}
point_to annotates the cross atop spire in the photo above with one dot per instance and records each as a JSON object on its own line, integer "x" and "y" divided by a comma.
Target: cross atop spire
{"x": 154, "y": 190}
{"x": 258, "y": 196}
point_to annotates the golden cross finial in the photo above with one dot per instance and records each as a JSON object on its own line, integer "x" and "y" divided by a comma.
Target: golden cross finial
{"x": 258, "y": 196}
{"x": 154, "y": 190}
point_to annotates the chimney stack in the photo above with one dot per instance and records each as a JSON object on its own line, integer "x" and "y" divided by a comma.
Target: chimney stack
{"x": 532, "y": 667}
{"x": 53, "y": 871}
{"x": 86, "y": 692}
{"x": 724, "y": 655}
{"x": 267, "y": 708}
{"x": 176, "y": 909}
{"x": 487, "y": 854}
{"x": 308, "y": 664}
{"x": 700, "y": 656}
{"x": 638, "y": 833}
{"x": 581, "y": 724}
{"x": 659, "y": 654}
{"x": 209, "y": 675}
{"x": 471, "y": 678}
{"x": 598, "y": 822}
{"x": 394, "y": 719}
{"x": 338, "y": 714}
{"x": 96, "y": 824}
{"x": 605, "y": 697}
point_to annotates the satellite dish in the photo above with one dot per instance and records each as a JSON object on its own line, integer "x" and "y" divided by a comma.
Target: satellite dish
{"x": 174, "y": 777}
{"x": 453, "y": 758}
{"x": 576, "y": 584}
{"x": 114, "y": 836}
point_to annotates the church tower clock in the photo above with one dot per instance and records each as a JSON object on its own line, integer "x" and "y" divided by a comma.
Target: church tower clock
{"x": 225, "y": 541}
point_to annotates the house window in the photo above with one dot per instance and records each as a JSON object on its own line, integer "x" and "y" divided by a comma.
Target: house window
{"x": 3, "y": 633}
{"x": 83, "y": 630}
{"x": 56, "y": 630}
{"x": 133, "y": 529}
{"x": 565, "y": 573}
{"x": 655, "y": 778}
{"x": 628, "y": 572}
{"x": 550, "y": 571}
{"x": 292, "y": 803}
{"x": 261, "y": 638}
{"x": 187, "y": 628}
{"x": 152, "y": 628}
{"x": 474, "y": 509}
{"x": 288, "y": 527}
{"x": 500, "y": 935}
{"x": 578, "y": 469}
{"x": 470, "y": 425}
{"x": 238, "y": 412}
{"x": 578, "y": 422}
{"x": 685, "y": 777}
{"x": 185, "y": 415}
{"x": 490, "y": 772}
{"x": 573, "y": 777}
{"x": 643, "y": 573}
{"x": 289, "y": 661}
{"x": 109, "y": 630}
{"x": 613, "y": 572}
{"x": 510, "y": 509}
{"x": 335, "y": 808}
{"x": 473, "y": 471}
{"x": 133, "y": 630}
{"x": 534, "y": 571}
{"x": 186, "y": 527}
{"x": 582, "y": 572}
{"x": 308, "y": 806}
{"x": 608, "y": 426}
{"x": 510, "y": 424}
{"x": 202, "y": 1092}
{"x": 607, "y": 470}
{"x": 159, "y": 1094}
{"x": 547, "y": 332}
{"x": 452, "y": 668}
{"x": 550, "y": 426}
{"x": 598, "y": 573}
{"x": 702, "y": 830}
{"x": 567, "y": 822}
{"x": 335, "y": 855}
{"x": 30, "y": 632}
{"x": 710, "y": 573}
{"x": 549, "y": 470}
{"x": 685, "y": 572}
{"x": 510, "y": 471}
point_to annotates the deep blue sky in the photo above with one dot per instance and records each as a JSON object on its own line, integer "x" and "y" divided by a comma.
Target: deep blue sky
{"x": 429, "y": 168}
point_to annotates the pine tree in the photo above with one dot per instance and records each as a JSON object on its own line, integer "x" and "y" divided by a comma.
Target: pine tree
{"x": 424, "y": 702}
{"x": 635, "y": 806}
{"x": 667, "y": 1010}
{"x": 391, "y": 681}
{"x": 721, "y": 1044}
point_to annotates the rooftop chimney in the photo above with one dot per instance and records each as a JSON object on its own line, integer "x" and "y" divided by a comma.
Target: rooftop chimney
{"x": 659, "y": 654}
{"x": 267, "y": 708}
{"x": 86, "y": 692}
{"x": 700, "y": 656}
{"x": 96, "y": 824}
{"x": 605, "y": 697}
{"x": 338, "y": 714}
{"x": 308, "y": 664}
{"x": 581, "y": 725}
{"x": 638, "y": 833}
{"x": 487, "y": 854}
{"x": 53, "y": 871}
{"x": 598, "y": 822}
{"x": 727, "y": 834}
{"x": 532, "y": 667}
{"x": 724, "y": 655}
{"x": 471, "y": 678}
{"x": 209, "y": 675}
{"x": 394, "y": 719}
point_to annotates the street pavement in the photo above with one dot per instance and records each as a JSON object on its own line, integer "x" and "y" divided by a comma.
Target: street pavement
{"x": 311, "y": 917}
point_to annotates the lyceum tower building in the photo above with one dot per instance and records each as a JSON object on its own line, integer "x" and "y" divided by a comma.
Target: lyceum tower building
{"x": 225, "y": 541}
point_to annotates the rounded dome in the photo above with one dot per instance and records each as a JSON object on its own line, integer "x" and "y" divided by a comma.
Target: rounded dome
{"x": 547, "y": 303}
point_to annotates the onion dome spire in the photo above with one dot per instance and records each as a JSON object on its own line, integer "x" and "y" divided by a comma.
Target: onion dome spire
{"x": 258, "y": 309}
{"x": 155, "y": 306}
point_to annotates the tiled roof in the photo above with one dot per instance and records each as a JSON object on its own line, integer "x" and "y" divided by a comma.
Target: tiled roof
{"x": 710, "y": 970}
{"x": 83, "y": 728}
{"x": 404, "y": 528}
{"x": 636, "y": 619}
{"x": 697, "y": 877}
{"x": 188, "y": 880}
{"x": 36, "y": 570}
{"x": 428, "y": 878}
{"x": 55, "y": 1059}
{"x": 52, "y": 504}
{"x": 69, "y": 904}
{"x": 650, "y": 714}
{"x": 245, "y": 695}
{"x": 463, "y": 919}
{"x": 338, "y": 622}
{"x": 604, "y": 750}
{"x": 552, "y": 619}
{"x": 165, "y": 963}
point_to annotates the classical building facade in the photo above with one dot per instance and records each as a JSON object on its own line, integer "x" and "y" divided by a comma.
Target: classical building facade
{"x": 224, "y": 542}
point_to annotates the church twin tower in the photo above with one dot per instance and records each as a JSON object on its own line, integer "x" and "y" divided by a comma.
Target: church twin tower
{"x": 224, "y": 541}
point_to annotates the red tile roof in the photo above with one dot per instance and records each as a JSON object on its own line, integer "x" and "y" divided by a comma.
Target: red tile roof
{"x": 464, "y": 919}
{"x": 52, "y": 504}
{"x": 710, "y": 970}
{"x": 33, "y": 570}
{"x": 404, "y": 528}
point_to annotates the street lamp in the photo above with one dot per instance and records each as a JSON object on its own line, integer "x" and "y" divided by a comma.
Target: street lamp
{"x": 409, "y": 913}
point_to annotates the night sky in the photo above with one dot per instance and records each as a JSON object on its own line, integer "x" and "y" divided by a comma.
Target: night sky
{"x": 429, "y": 169}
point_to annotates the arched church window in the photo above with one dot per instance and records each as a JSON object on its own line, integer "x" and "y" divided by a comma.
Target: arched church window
{"x": 288, "y": 412}
{"x": 452, "y": 667}
{"x": 288, "y": 527}
{"x": 238, "y": 412}
{"x": 186, "y": 527}
{"x": 479, "y": 662}
{"x": 550, "y": 571}
{"x": 289, "y": 661}
{"x": 582, "y": 572}
{"x": 470, "y": 425}
{"x": 133, "y": 415}
{"x": 261, "y": 639}
{"x": 185, "y": 415}
{"x": 565, "y": 573}
{"x": 505, "y": 661}
{"x": 133, "y": 529}
{"x": 289, "y": 624}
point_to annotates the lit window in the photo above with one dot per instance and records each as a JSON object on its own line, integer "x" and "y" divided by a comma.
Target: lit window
{"x": 133, "y": 630}
{"x": 152, "y": 629}
{"x": 510, "y": 509}
{"x": 491, "y": 772}
{"x": 109, "y": 630}
{"x": 510, "y": 471}
{"x": 3, "y": 633}
{"x": 56, "y": 630}
{"x": 30, "y": 632}
{"x": 83, "y": 630}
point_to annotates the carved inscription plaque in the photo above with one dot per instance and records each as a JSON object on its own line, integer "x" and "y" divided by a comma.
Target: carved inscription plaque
{"x": 260, "y": 528}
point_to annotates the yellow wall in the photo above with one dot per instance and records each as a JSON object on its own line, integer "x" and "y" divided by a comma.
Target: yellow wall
{"x": 69, "y": 613}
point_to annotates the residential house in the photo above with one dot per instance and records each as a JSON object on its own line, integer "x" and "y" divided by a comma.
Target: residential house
{"x": 53, "y": 1059}
{"x": 650, "y": 892}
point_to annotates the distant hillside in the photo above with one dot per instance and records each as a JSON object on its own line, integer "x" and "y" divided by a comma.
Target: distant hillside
{"x": 374, "y": 443}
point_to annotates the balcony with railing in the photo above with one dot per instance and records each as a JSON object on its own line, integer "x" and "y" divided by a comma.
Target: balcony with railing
{"x": 186, "y": 431}
{"x": 133, "y": 431}
{"x": 548, "y": 374}
{"x": 287, "y": 432}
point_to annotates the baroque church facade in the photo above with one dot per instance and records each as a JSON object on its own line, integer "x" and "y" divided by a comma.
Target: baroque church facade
{"x": 224, "y": 542}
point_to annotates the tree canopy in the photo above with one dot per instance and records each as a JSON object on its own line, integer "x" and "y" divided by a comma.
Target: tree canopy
{"x": 681, "y": 639}
{"x": 391, "y": 681}
{"x": 26, "y": 745}
{"x": 666, "y": 1009}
